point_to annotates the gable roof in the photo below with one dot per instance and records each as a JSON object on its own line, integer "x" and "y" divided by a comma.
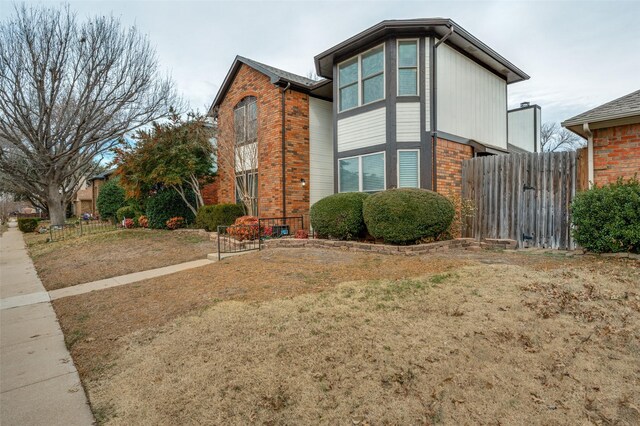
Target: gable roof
{"x": 625, "y": 106}
{"x": 460, "y": 38}
{"x": 276, "y": 75}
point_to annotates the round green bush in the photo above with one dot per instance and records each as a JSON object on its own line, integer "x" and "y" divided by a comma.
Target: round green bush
{"x": 210, "y": 217}
{"x": 607, "y": 219}
{"x": 28, "y": 224}
{"x": 401, "y": 216}
{"x": 126, "y": 212}
{"x": 339, "y": 216}
{"x": 166, "y": 204}
{"x": 110, "y": 198}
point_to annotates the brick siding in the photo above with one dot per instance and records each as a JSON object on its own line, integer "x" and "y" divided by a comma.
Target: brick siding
{"x": 449, "y": 157}
{"x": 616, "y": 153}
{"x": 249, "y": 82}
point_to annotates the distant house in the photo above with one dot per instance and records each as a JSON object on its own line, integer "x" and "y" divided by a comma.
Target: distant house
{"x": 612, "y": 131}
{"x": 86, "y": 198}
{"x": 400, "y": 104}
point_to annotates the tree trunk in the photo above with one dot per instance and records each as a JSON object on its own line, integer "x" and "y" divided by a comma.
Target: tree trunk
{"x": 56, "y": 206}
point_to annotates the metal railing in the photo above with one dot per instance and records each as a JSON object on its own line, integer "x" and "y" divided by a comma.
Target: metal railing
{"x": 77, "y": 229}
{"x": 241, "y": 238}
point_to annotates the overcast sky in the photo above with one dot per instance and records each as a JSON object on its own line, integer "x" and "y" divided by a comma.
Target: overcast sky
{"x": 578, "y": 54}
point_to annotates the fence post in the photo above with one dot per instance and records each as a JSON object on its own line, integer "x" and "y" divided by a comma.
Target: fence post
{"x": 218, "y": 243}
{"x": 81, "y": 227}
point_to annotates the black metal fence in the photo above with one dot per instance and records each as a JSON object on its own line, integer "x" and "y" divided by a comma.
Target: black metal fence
{"x": 240, "y": 238}
{"x": 77, "y": 229}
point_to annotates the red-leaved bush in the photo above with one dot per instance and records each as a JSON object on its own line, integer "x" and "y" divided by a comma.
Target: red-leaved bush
{"x": 175, "y": 222}
{"x": 244, "y": 228}
{"x": 129, "y": 223}
{"x": 143, "y": 221}
{"x": 301, "y": 234}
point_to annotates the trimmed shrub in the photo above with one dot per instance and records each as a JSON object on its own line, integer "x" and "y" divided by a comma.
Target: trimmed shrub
{"x": 110, "y": 198}
{"x": 129, "y": 223}
{"x": 339, "y": 216}
{"x": 166, "y": 204}
{"x": 126, "y": 212}
{"x": 143, "y": 221}
{"x": 244, "y": 228}
{"x": 210, "y": 217}
{"x": 402, "y": 216}
{"x": 28, "y": 224}
{"x": 607, "y": 219}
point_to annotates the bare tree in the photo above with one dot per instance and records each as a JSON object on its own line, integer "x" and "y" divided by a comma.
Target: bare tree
{"x": 68, "y": 91}
{"x": 554, "y": 138}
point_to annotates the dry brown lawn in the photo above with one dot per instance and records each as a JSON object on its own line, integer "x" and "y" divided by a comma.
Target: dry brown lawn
{"x": 309, "y": 336}
{"x": 94, "y": 257}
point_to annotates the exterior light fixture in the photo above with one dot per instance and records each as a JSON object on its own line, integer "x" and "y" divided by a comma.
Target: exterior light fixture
{"x": 303, "y": 182}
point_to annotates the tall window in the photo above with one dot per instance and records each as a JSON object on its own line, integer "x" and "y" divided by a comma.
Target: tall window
{"x": 361, "y": 79}
{"x": 247, "y": 190}
{"x": 407, "y": 67}
{"x": 245, "y": 120}
{"x": 408, "y": 168}
{"x": 364, "y": 173}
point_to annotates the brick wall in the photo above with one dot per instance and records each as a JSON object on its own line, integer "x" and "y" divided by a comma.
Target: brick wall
{"x": 449, "y": 157}
{"x": 616, "y": 153}
{"x": 210, "y": 193}
{"x": 249, "y": 82}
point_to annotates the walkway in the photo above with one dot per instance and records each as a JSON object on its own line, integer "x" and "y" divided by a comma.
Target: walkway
{"x": 39, "y": 384}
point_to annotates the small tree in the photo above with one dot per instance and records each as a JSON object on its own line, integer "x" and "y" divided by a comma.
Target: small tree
{"x": 555, "y": 138}
{"x": 176, "y": 154}
{"x": 110, "y": 198}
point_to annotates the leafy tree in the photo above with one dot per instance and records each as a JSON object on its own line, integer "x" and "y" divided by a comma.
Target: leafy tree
{"x": 110, "y": 198}
{"x": 68, "y": 91}
{"x": 176, "y": 154}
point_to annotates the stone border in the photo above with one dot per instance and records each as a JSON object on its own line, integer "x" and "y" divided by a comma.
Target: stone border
{"x": 412, "y": 250}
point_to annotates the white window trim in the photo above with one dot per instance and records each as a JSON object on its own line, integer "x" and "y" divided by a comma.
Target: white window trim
{"x": 360, "y": 175}
{"x": 398, "y": 167}
{"x": 398, "y": 66}
{"x": 359, "y": 83}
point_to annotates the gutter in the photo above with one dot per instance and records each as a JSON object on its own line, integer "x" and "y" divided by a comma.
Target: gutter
{"x": 284, "y": 146}
{"x": 434, "y": 108}
{"x": 587, "y": 131}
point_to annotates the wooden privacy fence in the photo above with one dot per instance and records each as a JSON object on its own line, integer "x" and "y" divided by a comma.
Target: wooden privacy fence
{"x": 523, "y": 197}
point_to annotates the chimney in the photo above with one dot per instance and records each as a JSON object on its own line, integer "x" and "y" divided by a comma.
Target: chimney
{"x": 524, "y": 104}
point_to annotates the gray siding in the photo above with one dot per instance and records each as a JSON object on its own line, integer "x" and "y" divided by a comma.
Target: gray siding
{"x": 320, "y": 149}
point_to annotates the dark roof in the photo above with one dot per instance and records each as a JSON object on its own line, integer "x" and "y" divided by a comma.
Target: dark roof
{"x": 460, "y": 38}
{"x": 102, "y": 176}
{"x": 626, "y": 106}
{"x": 276, "y": 75}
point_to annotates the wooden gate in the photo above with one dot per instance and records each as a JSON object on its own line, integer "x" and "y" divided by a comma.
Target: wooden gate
{"x": 523, "y": 197}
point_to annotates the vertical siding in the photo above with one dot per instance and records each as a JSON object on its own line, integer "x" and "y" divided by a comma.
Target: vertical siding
{"x": 522, "y": 130}
{"x": 362, "y": 130}
{"x": 472, "y": 101}
{"x": 427, "y": 84}
{"x": 320, "y": 149}
{"x": 408, "y": 122}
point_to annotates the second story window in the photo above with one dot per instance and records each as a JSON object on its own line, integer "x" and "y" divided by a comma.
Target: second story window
{"x": 361, "y": 79}
{"x": 245, "y": 121}
{"x": 407, "y": 68}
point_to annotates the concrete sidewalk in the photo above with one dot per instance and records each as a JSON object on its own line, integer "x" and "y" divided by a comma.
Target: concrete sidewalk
{"x": 39, "y": 384}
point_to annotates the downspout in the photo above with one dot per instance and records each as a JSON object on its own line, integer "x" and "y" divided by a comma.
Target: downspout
{"x": 284, "y": 146}
{"x": 589, "y": 134}
{"x": 434, "y": 124}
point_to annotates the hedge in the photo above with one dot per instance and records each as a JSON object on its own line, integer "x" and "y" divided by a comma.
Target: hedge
{"x": 166, "y": 204}
{"x": 110, "y": 198}
{"x": 339, "y": 216}
{"x": 28, "y": 224}
{"x": 127, "y": 212}
{"x": 401, "y": 216}
{"x": 210, "y": 217}
{"x": 607, "y": 219}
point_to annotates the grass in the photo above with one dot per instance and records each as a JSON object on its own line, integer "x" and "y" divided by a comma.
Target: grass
{"x": 96, "y": 256}
{"x": 365, "y": 339}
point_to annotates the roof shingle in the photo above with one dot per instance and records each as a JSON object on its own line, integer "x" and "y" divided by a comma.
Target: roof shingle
{"x": 626, "y": 106}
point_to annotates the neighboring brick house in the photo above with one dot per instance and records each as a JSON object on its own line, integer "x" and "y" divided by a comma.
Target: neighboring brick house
{"x": 402, "y": 104}
{"x": 612, "y": 131}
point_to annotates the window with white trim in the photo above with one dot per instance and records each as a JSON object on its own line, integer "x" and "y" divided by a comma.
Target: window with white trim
{"x": 408, "y": 168}
{"x": 407, "y": 67}
{"x": 364, "y": 173}
{"x": 361, "y": 79}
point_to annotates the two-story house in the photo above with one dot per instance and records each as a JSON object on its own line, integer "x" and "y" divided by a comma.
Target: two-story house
{"x": 401, "y": 104}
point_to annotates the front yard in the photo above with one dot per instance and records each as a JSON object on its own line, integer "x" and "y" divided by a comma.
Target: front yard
{"x": 307, "y": 336}
{"x": 94, "y": 257}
